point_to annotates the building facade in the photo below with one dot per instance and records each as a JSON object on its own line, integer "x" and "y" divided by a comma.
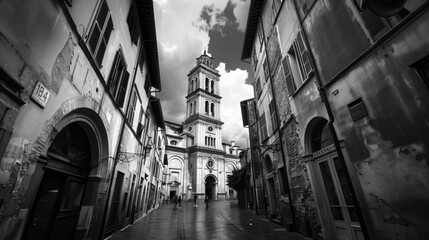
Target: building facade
{"x": 81, "y": 133}
{"x": 198, "y": 161}
{"x": 349, "y": 83}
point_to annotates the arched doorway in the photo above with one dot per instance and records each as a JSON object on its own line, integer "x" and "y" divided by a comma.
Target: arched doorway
{"x": 335, "y": 200}
{"x": 210, "y": 185}
{"x": 64, "y": 188}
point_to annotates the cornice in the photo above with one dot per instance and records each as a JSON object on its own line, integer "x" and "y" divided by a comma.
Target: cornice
{"x": 202, "y": 66}
{"x": 202, "y": 92}
{"x": 203, "y": 118}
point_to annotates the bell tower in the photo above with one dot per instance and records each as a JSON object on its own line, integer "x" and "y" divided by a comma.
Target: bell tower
{"x": 203, "y": 124}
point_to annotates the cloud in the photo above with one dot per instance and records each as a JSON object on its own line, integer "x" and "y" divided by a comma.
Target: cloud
{"x": 233, "y": 90}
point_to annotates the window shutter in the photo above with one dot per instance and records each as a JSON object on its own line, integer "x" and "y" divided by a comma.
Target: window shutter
{"x": 305, "y": 59}
{"x": 290, "y": 84}
{"x": 132, "y": 24}
{"x": 5, "y": 136}
{"x": 273, "y": 115}
{"x": 139, "y": 130}
{"x": 123, "y": 89}
{"x": 266, "y": 70}
{"x": 114, "y": 70}
{"x": 263, "y": 126}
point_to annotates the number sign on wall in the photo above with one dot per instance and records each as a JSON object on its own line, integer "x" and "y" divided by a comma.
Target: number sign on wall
{"x": 41, "y": 94}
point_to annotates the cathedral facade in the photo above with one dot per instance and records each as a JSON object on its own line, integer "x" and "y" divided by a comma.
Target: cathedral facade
{"x": 198, "y": 161}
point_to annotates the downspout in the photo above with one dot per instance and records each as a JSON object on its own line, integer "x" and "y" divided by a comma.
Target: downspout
{"x": 278, "y": 125}
{"x": 118, "y": 149}
{"x": 332, "y": 130}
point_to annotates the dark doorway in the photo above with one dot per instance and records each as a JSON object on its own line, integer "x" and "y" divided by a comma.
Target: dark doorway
{"x": 57, "y": 205}
{"x": 210, "y": 187}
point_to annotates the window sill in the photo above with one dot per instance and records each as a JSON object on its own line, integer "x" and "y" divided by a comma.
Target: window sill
{"x": 303, "y": 85}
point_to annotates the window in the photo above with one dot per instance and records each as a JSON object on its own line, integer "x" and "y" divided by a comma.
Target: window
{"x": 212, "y": 87}
{"x": 212, "y": 109}
{"x": 207, "y": 84}
{"x": 140, "y": 123}
{"x": 266, "y": 70}
{"x": 255, "y": 58}
{"x": 132, "y": 21}
{"x": 303, "y": 57}
{"x": 147, "y": 85}
{"x": 195, "y": 107}
{"x": 118, "y": 80}
{"x": 142, "y": 59}
{"x": 210, "y": 141}
{"x": 263, "y": 127}
{"x": 210, "y": 163}
{"x": 173, "y": 142}
{"x": 422, "y": 68}
{"x": 258, "y": 88}
{"x": 296, "y": 65}
{"x": 273, "y": 115}
{"x": 100, "y": 33}
{"x": 207, "y": 107}
{"x": 377, "y": 25}
{"x": 290, "y": 84}
{"x": 132, "y": 106}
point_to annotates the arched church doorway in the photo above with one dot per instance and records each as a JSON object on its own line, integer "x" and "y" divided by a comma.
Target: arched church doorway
{"x": 210, "y": 185}
{"x": 336, "y": 203}
{"x": 64, "y": 185}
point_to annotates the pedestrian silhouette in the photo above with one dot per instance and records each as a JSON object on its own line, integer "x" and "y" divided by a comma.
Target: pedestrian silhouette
{"x": 195, "y": 200}
{"x": 206, "y": 201}
{"x": 180, "y": 201}
{"x": 175, "y": 201}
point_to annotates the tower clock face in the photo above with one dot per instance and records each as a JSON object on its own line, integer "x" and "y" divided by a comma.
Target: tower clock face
{"x": 210, "y": 128}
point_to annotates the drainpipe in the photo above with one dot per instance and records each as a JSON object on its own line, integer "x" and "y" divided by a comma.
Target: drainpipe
{"x": 118, "y": 149}
{"x": 332, "y": 130}
{"x": 278, "y": 125}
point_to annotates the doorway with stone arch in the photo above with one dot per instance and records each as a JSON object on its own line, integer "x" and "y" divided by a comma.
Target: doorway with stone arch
{"x": 66, "y": 179}
{"x": 210, "y": 187}
{"x": 333, "y": 194}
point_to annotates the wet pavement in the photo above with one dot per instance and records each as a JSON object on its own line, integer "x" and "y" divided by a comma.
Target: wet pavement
{"x": 222, "y": 220}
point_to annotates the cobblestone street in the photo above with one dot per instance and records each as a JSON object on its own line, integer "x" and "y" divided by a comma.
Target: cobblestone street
{"x": 223, "y": 220}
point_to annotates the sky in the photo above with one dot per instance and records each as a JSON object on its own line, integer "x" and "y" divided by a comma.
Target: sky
{"x": 185, "y": 28}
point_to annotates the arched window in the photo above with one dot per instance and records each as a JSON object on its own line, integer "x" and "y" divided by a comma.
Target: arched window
{"x": 212, "y": 110}
{"x": 173, "y": 142}
{"x": 268, "y": 164}
{"x": 195, "y": 107}
{"x": 321, "y": 137}
{"x": 192, "y": 85}
{"x": 207, "y": 107}
{"x": 207, "y": 84}
{"x": 212, "y": 87}
{"x": 190, "y": 109}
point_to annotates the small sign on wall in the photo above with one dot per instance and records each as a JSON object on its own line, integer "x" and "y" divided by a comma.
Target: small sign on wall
{"x": 41, "y": 94}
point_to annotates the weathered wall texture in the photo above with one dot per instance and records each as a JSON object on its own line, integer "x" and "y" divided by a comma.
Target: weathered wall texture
{"x": 335, "y": 36}
{"x": 390, "y": 146}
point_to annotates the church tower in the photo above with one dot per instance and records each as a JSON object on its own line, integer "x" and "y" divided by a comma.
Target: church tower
{"x": 203, "y": 127}
{"x": 203, "y": 123}
{"x": 198, "y": 161}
